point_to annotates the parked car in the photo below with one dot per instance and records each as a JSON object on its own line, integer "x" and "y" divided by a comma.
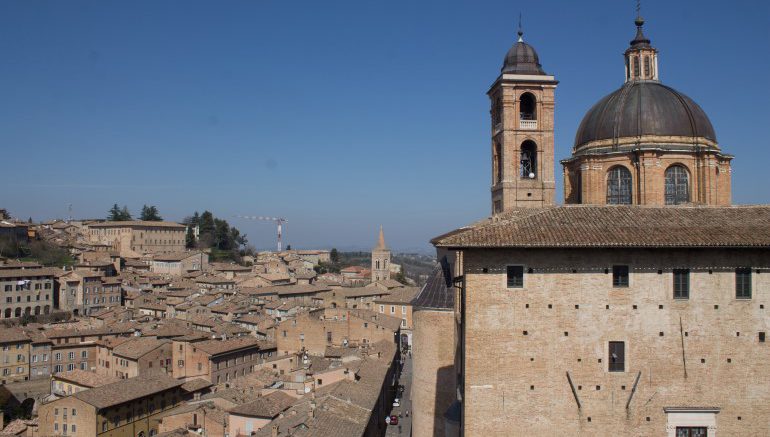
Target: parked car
{"x": 396, "y": 402}
{"x": 394, "y": 420}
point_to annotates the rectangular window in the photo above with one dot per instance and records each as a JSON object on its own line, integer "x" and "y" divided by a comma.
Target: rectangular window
{"x": 743, "y": 283}
{"x": 681, "y": 284}
{"x": 691, "y": 431}
{"x": 617, "y": 358}
{"x": 619, "y": 276}
{"x": 515, "y": 276}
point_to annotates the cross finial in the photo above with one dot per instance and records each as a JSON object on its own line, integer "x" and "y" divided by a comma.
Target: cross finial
{"x": 639, "y": 20}
{"x": 521, "y": 32}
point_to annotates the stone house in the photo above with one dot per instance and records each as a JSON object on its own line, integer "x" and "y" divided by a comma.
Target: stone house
{"x": 129, "y": 407}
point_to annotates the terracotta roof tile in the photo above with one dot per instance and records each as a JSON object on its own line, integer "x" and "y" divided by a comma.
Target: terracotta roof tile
{"x": 267, "y": 406}
{"x": 617, "y": 226}
{"x": 127, "y": 390}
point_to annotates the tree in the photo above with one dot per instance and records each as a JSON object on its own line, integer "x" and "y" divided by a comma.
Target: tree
{"x": 207, "y": 223}
{"x": 334, "y": 256}
{"x": 150, "y": 214}
{"x": 194, "y": 219}
{"x": 114, "y": 213}
{"x": 401, "y": 276}
{"x": 237, "y": 239}
{"x": 222, "y": 236}
{"x": 124, "y": 214}
{"x": 189, "y": 239}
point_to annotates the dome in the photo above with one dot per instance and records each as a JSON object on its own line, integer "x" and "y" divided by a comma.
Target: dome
{"x": 522, "y": 59}
{"x": 644, "y": 108}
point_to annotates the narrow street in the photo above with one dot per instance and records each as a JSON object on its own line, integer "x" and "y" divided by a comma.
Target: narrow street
{"x": 404, "y": 427}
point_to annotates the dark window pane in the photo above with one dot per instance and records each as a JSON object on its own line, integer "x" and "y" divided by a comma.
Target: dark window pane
{"x": 677, "y": 185}
{"x": 515, "y": 276}
{"x": 681, "y": 284}
{"x": 619, "y": 186}
{"x": 617, "y": 357}
{"x": 743, "y": 283}
{"x": 620, "y": 276}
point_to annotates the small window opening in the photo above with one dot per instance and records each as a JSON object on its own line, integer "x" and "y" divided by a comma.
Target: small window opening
{"x": 617, "y": 354}
{"x": 619, "y": 276}
{"x": 515, "y": 276}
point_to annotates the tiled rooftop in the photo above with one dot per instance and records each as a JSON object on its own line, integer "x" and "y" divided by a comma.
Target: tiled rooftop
{"x": 617, "y": 226}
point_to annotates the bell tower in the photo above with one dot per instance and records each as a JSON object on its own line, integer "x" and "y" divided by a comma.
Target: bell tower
{"x": 522, "y": 100}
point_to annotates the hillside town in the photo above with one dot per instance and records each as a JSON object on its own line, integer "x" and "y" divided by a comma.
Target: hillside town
{"x": 142, "y": 336}
{"x": 617, "y": 284}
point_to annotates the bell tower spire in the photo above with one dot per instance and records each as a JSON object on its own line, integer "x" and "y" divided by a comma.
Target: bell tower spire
{"x": 641, "y": 56}
{"x": 522, "y": 112}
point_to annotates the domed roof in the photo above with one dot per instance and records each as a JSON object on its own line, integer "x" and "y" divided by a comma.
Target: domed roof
{"x": 522, "y": 59}
{"x": 644, "y": 108}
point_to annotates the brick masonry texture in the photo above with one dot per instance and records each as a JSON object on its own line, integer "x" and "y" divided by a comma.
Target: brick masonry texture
{"x": 570, "y": 311}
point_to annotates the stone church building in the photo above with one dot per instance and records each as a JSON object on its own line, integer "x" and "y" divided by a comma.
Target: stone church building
{"x": 638, "y": 308}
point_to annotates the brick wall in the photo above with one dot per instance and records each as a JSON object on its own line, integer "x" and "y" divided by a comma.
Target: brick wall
{"x": 521, "y": 342}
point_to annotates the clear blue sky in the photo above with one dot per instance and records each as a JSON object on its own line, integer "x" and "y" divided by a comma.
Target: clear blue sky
{"x": 339, "y": 115}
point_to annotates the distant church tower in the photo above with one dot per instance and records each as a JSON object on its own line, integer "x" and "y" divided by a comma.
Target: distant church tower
{"x": 380, "y": 260}
{"x": 522, "y": 112}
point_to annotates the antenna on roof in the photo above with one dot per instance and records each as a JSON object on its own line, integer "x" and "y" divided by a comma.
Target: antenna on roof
{"x": 521, "y": 32}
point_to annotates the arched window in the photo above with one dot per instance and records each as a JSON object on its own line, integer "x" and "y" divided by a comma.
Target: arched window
{"x": 497, "y": 112}
{"x": 619, "y": 186}
{"x": 677, "y": 185}
{"x": 647, "y": 67}
{"x": 528, "y": 107}
{"x": 497, "y": 163}
{"x": 636, "y": 67}
{"x": 528, "y": 162}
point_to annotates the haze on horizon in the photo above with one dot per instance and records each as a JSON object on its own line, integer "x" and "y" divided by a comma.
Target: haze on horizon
{"x": 338, "y": 118}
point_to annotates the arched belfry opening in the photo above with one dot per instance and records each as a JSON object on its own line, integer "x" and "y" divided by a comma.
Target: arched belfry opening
{"x": 528, "y": 161}
{"x": 527, "y": 107}
{"x": 497, "y": 162}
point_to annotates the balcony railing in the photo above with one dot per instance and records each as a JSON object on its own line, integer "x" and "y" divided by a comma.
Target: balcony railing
{"x": 527, "y": 124}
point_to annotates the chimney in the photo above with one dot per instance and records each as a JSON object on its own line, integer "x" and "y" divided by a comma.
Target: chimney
{"x": 274, "y": 431}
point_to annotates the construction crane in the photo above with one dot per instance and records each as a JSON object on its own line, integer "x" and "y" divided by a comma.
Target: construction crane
{"x": 279, "y": 221}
